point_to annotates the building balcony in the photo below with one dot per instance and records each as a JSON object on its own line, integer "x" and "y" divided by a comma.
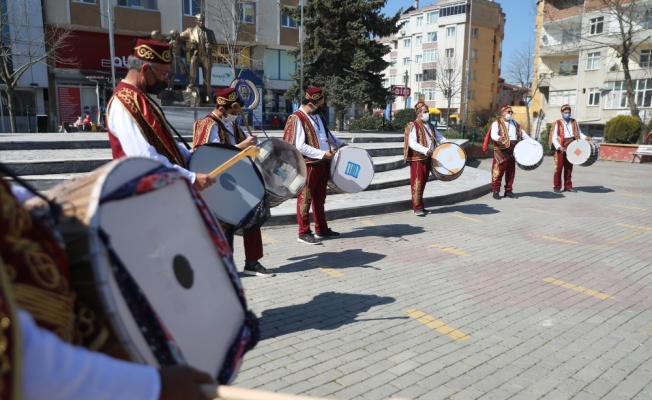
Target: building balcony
{"x": 559, "y": 50}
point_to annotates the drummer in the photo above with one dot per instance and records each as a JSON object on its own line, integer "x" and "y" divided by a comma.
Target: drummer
{"x": 419, "y": 142}
{"x": 565, "y": 130}
{"x": 505, "y": 133}
{"x": 136, "y": 124}
{"x": 220, "y": 126}
{"x": 307, "y": 131}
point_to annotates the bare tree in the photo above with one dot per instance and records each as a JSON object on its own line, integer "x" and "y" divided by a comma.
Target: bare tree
{"x": 449, "y": 77}
{"x": 235, "y": 24}
{"x": 24, "y": 43}
{"x": 521, "y": 71}
{"x": 624, "y": 27}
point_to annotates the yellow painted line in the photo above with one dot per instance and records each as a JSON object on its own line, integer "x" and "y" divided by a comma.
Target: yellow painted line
{"x": 554, "y": 239}
{"x": 437, "y": 325}
{"x": 632, "y": 195}
{"x": 467, "y": 218}
{"x": 332, "y": 272}
{"x": 541, "y": 211}
{"x": 450, "y": 250}
{"x": 368, "y": 223}
{"x": 588, "y": 292}
{"x": 626, "y": 237}
{"x": 643, "y": 228}
{"x": 629, "y": 207}
{"x": 268, "y": 239}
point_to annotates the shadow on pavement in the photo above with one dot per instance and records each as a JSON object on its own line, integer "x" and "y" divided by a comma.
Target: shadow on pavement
{"x": 472, "y": 162}
{"x": 326, "y": 311}
{"x": 391, "y": 230}
{"x": 353, "y": 258}
{"x": 476, "y": 209}
{"x": 546, "y": 194}
{"x": 594, "y": 189}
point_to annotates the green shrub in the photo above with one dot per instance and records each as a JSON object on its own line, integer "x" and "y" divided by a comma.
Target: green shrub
{"x": 622, "y": 129}
{"x": 545, "y": 138}
{"x": 402, "y": 118}
{"x": 368, "y": 122}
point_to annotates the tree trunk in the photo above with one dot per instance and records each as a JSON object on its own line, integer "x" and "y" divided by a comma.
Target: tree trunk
{"x": 11, "y": 107}
{"x": 527, "y": 111}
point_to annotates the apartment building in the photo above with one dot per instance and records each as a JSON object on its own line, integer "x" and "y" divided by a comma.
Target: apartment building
{"x": 264, "y": 37}
{"x": 576, "y": 63}
{"x": 450, "y": 41}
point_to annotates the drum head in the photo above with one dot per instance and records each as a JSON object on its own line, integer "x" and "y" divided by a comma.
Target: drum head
{"x": 237, "y": 191}
{"x": 282, "y": 167}
{"x": 352, "y": 169}
{"x": 528, "y": 153}
{"x": 180, "y": 273}
{"x": 578, "y": 151}
{"x": 448, "y": 159}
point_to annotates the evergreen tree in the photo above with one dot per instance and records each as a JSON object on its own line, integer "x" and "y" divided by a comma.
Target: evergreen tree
{"x": 340, "y": 52}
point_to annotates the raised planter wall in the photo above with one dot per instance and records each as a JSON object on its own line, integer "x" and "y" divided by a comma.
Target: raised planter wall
{"x": 620, "y": 152}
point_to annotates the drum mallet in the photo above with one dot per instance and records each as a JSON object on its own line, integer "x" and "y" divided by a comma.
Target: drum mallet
{"x": 251, "y": 151}
{"x": 216, "y": 392}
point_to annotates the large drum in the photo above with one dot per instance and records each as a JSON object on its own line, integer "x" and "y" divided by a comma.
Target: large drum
{"x": 238, "y": 197}
{"x": 448, "y": 161}
{"x": 352, "y": 170}
{"x": 283, "y": 169}
{"x": 147, "y": 256}
{"x": 528, "y": 154}
{"x": 582, "y": 152}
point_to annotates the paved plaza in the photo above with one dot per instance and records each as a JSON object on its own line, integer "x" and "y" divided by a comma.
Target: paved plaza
{"x": 547, "y": 296}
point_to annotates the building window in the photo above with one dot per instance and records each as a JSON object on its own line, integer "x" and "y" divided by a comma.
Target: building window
{"x": 568, "y": 67}
{"x": 418, "y": 40}
{"x": 418, "y": 59}
{"x": 419, "y": 21}
{"x": 471, "y": 95}
{"x": 287, "y": 22}
{"x": 429, "y": 94}
{"x": 432, "y": 17}
{"x": 84, "y": 1}
{"x": 450, "y": 53}
{"x": 392, "y": 62}
{"x": 560, "y": 97}
{"x": 647, "y": 24}
{"x": 432, "y": 37}
{"x": 247, "y": 13}
{"x": 392, "y": 79}
{"x": 474, "y": 32}
{"x": 448, "y": 74}
{"x": 472, "y": 75}
{"x": 430, "y": 55}
{"x": 429, "y": 75}
{"x": 594, "y": 97}
{"x": 474, "y": 54}
{"x": 646, "y": 58}
{"x": 450, "y": 31}
{"x": 418, "y": 77}
{"x": 596, "y": 25}
{"x": 191, "y": 7}
{"x": 593, "y": 61}
{"x": 406, "y": 61}
{"x": 406, "y": 43}
{"x": 144, "y": 4}
{"x": 618, "y": 96}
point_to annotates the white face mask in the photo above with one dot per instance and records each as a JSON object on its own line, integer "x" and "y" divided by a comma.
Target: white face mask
{"x": 230, "y": 118}
{"x": 425, "y": 117}
{"x": 508, "y": 117}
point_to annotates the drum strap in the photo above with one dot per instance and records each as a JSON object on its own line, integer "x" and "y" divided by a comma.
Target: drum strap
{"x": 159, "y": 340}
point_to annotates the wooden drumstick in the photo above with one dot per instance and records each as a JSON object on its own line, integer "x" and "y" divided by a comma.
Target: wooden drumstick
{"x": 237, "y": 393}
{"x": 237, "y": 107}
{"x": 251, "y": 151}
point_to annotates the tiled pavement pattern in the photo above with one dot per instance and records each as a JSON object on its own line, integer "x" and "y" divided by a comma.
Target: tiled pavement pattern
{"x": 544, "y": 297}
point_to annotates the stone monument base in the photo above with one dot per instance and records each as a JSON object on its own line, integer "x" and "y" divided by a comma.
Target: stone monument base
{"x": 192, "y": 97}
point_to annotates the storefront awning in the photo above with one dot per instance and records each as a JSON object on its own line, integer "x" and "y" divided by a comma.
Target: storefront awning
{"x": 433, "y": 110}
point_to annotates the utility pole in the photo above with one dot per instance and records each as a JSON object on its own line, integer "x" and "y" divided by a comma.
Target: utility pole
{"x": 111, "y": 43}
{"x": 301, "y": 52}
{"x": 468, "y": 65}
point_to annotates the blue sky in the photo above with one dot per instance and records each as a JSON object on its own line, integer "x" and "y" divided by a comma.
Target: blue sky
{"x": 519, "y": 29}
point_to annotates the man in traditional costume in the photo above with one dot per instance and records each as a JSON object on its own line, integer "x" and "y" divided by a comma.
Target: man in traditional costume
{"x": 564, "y": 131}
{"x": 505, "y": 133}
{"x": 220, "y": 126}
{"x": 419, "y": 142}
{"x": 136, "y": 124}
{"x": 307, "y": 131}
{"x": 39, "y": 325}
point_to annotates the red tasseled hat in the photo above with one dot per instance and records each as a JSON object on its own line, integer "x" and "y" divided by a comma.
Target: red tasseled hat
{"x": 314, "y": 94}
{"x": 152, "y": 51}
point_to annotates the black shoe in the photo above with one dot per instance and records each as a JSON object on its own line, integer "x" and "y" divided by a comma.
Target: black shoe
{"x": 308, "y": 238}
{"x": 257, "y": 270}
{"x": 420, "y": 213}
{"x": 510, "y": 194}
{"x": 496, "y": 195}
{"x": 571, "y": 190}
{"x": 556, "y": 190}
{"x": 328, "y": 234}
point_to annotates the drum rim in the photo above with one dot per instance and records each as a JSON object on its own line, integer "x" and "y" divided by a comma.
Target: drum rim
{"x": 438, "y": 174}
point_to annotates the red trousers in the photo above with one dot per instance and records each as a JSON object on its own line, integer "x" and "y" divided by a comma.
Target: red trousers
{"x": 253, "y": 244}
{"x": 562, "y": 163}
{"x": 507, "y": 168}
{"x": 313, "y": 194}
{"x": 419, "y": 171}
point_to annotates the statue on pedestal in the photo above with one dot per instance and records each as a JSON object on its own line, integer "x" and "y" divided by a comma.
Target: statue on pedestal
{"x": 202, "y": 43}
{"x": 178, "y": 66}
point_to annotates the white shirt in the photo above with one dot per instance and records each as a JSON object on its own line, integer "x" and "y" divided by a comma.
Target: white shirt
{"x": 414, "y": 144}
{"x": 214, "y": 136}
{"x": 54, "y": 370}
{"x": 324, "y": 138}
{"x": 511, "y": 130}
{"x": 133, "y": 142}
{"x": 568, "y": 133}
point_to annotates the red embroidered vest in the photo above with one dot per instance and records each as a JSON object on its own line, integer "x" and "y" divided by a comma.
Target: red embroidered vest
{"x": 312, "y": 140}
{"x": 202, "y": 130}
{"x": 421, "y": 131}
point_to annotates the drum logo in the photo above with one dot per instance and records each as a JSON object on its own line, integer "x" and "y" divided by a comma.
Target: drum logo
{"x": 280, "y": 172}
{"x": 352, "y": 169}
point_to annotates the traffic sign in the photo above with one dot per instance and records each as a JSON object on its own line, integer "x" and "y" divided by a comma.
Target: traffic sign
{"x": 401, "y": 91}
